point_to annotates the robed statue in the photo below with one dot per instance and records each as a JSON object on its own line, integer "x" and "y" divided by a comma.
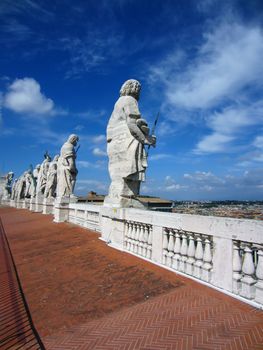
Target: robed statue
{"x": 67, "y": 171}
{"x": 127, "y": 136}
{"x": 50, "y": 190}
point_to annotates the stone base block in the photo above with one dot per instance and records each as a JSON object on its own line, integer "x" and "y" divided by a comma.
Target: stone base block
{"x": 123, "y": 202}
{"x": 19, "y": 204}
{"x": 39, "y": 203}
{"x": 32, "y": 204}
{"x": 248, "y": 287}
{"x": 112, "y": 226}
{"x": 26, "y": 203}
{"x": 259, "y": 292}
{"x": 61, "y": 209}
{"x": 48, "y": 205}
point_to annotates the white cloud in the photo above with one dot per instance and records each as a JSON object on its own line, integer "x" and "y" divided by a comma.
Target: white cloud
{"x": 98, "y": 139}
{"x": 218, "y": 73}
{"x": 88, "y": 165}
{"x": 99, "y": 152}
{"x": 24, "y": 96}
{"x": 258, "y": 142}
{"x": 213, "y": 143}
{"x": 92, "y": 184}
{"x": 159, "y": 156}
{"x": 228, "y": 125}
{"x": 170, "y": 185}
{"x": 204, "y": 176}
{"x": 92, "y": 51}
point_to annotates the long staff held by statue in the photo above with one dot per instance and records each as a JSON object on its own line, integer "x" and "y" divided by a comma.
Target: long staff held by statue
{"x": 153, "y": 129}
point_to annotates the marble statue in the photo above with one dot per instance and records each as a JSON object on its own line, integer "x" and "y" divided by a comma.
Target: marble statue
{"x": 33, "y": 186}
{"x": 21, "y": 187}
{"x": 42, "y": 175}
{"x": 8, "y": 185}
{"x": 127, "y": 135}
{"x": 29, "y": 183}
{"x": 50, "y": 190}
{"x": 67, "y": 171}
{"x": 14, "y": 186}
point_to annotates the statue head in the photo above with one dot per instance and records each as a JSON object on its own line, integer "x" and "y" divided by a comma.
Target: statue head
{"x": 55, "y": 159}
{"x": 73, "y": 139}
{"x": 131, "y": 87}
{"x": 10, "y": 175}
{"x": 38, "y": 166}
{"x": 47, "y": 157}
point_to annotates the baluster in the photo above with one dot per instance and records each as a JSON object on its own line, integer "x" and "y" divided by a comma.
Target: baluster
{"x": 237, "y": 267}
{"x": 141, "y": 237}
{"x": 136, "y": 238}
{"x": 207, "y": 259}
{"x": 248, "y": 269}
{"x": 165, "y": 245}
{"x": 198, "y": 258}
{"x": 170, "y": 249}
{"x": 177, "y": 249}
{"x": 145, "y": 239}
{"x": 126, "y": 229}
{"x": 129, "y": 234}
{"x": 183, "y": 253}
{"x": 190, "y": 256}
{"x": 149, "y": 242}
{"x": 132, "y": 236}
{"x": 259, "y": 275}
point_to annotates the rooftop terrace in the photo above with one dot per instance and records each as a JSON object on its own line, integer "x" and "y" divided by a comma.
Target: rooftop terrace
{"x": 83, "y": 294}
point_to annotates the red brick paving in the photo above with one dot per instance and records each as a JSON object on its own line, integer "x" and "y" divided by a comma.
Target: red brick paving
{"x": 16, "y": 328}
{"x": 85, "y": 295}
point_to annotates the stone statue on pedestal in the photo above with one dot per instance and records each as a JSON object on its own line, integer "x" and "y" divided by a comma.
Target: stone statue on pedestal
{"x": 21, "y": 187}
{"x": 42, "y": 175}
{"x": 50, "y": 190}
{"x": 14, "y": 188}
{"x": 127, "y": 134}
{"x": 8, "y": 185}
{"x": 67, "y": 171}
{"x": 33, "y": 186}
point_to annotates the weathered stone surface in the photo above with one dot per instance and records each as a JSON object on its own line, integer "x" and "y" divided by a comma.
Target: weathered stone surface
{"x": 42, "y": 175}
{"x": 127, "y": 135}
{"x": 66, "y": 168}
{"x": 50, "y": 190}
{"x": 6, "y": 186}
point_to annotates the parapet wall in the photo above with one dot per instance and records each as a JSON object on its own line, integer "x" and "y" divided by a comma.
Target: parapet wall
{"x": 224, "y": 253}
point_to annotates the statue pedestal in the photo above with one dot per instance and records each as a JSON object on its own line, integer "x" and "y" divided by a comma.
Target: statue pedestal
{"x": 26, "y": 203}
{"x": 123, "y": 202}
{"x": 12, "y": 203}
{"x": 48, "y": 205}
{"x": 19, "y": 204}
{"x": 112, "y": 226}
{"x": 61, "y": 208}
{"x": 39, "y": 203}
{"x": 32, "y": 204}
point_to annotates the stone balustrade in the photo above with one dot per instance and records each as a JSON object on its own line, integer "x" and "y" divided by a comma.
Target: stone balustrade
{"x": 188, "y": 252}
{"x": 138, "y": 238}
{"x": 248, "y": 270}
{"x": 225, "y": 253}
{"x": 85, "y": 215}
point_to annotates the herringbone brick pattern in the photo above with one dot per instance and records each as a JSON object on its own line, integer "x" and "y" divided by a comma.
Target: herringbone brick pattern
{"x": 55, "y": 259}
{"x": 187, "y": 318}
{"x": 16, "y": 328}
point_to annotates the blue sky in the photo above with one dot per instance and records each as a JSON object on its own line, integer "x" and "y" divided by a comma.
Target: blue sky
{"x": 200, "y": 65}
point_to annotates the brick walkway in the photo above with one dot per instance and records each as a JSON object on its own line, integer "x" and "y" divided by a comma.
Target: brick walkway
{"x": 16, "y": 328}
{"x": 76, "y": 304}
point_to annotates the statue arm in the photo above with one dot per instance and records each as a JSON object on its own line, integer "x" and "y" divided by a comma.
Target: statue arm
{"x": 133, "y": 114}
